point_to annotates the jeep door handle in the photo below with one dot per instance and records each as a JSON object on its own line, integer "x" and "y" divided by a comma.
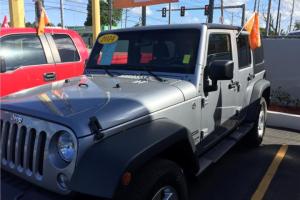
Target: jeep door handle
{"x": 51, "y": 76}
{"x": 251, "y": 77}
{"x": 234, "y": 85}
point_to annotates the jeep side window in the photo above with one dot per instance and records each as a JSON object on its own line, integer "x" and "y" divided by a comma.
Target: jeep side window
{"x": 219, "y": 48}
{"x": 244, "y": 52}
{"x": 22, "y": 50}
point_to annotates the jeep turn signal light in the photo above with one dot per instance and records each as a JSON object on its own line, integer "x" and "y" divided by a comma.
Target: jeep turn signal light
{"x": 126, "y": 178}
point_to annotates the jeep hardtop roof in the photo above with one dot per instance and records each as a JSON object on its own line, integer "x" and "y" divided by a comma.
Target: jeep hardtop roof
{"x": 177, "y": 26}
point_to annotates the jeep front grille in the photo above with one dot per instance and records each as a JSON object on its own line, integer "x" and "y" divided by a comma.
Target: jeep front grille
{"x": 22, "y": 147}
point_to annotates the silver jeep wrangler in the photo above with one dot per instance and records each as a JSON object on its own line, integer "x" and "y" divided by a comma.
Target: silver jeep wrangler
{"x": 155, "y": 104}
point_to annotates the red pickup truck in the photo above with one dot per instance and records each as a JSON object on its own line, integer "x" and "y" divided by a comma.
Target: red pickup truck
{"x": 28, "y": 60}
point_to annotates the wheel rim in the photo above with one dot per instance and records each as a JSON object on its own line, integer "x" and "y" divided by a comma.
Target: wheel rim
{"x": 166, "y": 193}
{"x": 261, "y": 122}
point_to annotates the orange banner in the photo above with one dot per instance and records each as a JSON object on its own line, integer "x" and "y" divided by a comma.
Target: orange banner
{"x": 138, "y": 3}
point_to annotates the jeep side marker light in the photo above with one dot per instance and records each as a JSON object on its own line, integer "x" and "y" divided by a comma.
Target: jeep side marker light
{"x": 126, "y": 178}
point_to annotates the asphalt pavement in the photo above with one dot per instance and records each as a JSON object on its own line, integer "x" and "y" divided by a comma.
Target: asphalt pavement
{"x": 238, "y": 175}
{"x": 268, "y": 171}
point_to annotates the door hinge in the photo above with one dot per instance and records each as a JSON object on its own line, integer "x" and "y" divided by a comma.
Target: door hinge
{"x": 204, "y": 102}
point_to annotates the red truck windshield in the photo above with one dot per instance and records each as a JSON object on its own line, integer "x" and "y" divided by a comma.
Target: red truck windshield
{"x": 157, "y": 50}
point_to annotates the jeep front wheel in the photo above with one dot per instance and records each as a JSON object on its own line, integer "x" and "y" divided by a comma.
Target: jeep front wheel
{"x": 158, "y": 180}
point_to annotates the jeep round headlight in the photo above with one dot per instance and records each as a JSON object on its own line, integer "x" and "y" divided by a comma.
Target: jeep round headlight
{"x": 66, "y": 146}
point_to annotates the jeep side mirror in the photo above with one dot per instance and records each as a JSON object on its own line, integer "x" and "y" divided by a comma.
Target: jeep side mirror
{"x": 219, "y": 70}
{"x": 2, "y": 65}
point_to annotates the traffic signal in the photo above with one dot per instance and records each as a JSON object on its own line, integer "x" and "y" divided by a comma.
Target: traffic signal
{"x": 206, "y": 9}
{"x": 164, "y": 12}
{"x": 182, "y": 11}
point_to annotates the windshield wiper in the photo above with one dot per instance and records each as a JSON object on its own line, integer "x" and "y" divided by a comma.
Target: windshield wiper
{"x": 108, "y": 72}
{"x": 154, "y": 75}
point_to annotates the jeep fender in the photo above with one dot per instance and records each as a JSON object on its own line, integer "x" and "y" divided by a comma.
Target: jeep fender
{"x": 260, "y": 89}
{"x": 100, "y": 169}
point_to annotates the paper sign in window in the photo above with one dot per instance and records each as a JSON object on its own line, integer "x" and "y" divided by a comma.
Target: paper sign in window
{"x": 107, "y": 53}
{"x": 186, "y": 59}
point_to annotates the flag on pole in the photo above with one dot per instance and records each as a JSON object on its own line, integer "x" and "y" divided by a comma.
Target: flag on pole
{"x": 43, "y": 22}
{"x": 5, "y": 23}
{"x": 252, "y": 27}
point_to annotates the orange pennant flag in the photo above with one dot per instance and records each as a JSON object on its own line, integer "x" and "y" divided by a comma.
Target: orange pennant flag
{"x": 254, "y": 38}
{"x": 43, "y": 22}
{"x": 249, "y": 24}
{"x": 252, "y": 27}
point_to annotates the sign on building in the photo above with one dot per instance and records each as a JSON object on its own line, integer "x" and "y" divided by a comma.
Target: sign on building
{"x": 138, "y": 3}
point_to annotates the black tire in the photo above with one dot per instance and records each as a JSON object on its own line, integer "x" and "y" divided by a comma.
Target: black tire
{"x": 155, "y": 176}
{"x": 255, "y": 137}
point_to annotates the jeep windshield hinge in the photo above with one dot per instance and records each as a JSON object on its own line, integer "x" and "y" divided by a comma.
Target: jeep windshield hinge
{"x": 95, "y": 128}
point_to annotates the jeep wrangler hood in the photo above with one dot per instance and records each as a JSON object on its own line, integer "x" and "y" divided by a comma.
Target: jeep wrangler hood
{"x": 112, "y": 100}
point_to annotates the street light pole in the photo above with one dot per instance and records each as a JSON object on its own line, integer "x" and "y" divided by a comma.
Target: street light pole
{"x": 268, "y": 18}
{"x": 169, "y": 13}
{"x": 278, "y": 13}
{"x": 291, "y": 21}
{"x": 144, "y": 16}
{"x": 222, "y": 12}
{"x": 62, "y": 13}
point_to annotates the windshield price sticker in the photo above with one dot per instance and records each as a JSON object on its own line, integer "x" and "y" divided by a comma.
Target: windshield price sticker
{"x": 108, "y": 39}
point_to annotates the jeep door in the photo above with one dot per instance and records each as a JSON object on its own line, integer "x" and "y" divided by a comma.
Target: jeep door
{"x": 244, "y": 74}
{"x": 219, "y": 107}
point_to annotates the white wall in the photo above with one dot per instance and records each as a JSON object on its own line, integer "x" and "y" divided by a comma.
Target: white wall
{"x": 282, "y": 58}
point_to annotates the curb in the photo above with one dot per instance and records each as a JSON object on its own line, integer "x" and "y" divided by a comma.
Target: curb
{"x": 283, "y": 120}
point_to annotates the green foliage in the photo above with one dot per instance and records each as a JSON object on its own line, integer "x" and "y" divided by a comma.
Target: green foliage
{"x": 297, "y": 26}
{"x": 29, "y": 24}
{"x": 104, "y": 10}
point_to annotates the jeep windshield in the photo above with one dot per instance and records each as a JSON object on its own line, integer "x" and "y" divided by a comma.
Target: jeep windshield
{"x": 172, "y": 51}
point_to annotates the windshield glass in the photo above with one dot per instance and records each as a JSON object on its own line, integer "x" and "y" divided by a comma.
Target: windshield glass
{"x": 172, "y": 51}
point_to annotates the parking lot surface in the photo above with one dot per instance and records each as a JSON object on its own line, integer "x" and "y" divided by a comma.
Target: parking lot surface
{"x": 271, "y": 171}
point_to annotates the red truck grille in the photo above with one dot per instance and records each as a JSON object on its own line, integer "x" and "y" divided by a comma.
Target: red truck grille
{"x": 22, "y": 147}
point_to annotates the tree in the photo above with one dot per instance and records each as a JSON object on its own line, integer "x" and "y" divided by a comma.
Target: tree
{"x": 104, "y": 10}
{"x": 297, "y": 25}
{"x": 29, "y": 24}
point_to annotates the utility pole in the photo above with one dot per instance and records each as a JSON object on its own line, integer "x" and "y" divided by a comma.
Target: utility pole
{"x": 231, "y": 18}
{"x": 96, "y": 19}
{"x": 62, "y": 13}
{"x": 211, "y": 11}
{"x": 268, "y": 18}
{"x": 277, "y": 20}
{"x": 169, "y": 13}
{"x": 279, "y": 25}
{"x": 144, "y": 16}
{"x": 126, "y": 16}
{"x": 110, "y": 10}
{"x": 254, "y": 8}
{"x": 222, "y": 12}
{"x": 292, "y": 14}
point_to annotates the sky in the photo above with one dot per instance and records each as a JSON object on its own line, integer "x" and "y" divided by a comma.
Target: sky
{"x": 75, "y": 12}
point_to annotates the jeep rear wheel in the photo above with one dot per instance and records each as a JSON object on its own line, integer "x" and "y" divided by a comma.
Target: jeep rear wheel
{"x": 255, "y": 137}
{"x": 159, "y": 180}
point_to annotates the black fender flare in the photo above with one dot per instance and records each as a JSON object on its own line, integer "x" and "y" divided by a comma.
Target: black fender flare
{"x": 261, "y": 88}
{"x": 100, "y": 169}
